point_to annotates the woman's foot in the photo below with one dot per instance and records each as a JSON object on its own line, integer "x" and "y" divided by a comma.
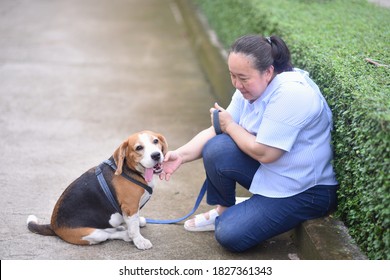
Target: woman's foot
{"x": 205, "y": 221}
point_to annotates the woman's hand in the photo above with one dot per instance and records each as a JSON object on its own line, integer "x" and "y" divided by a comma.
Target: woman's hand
{"x": 172, "y": 162}
{"x": 245, "y": 140}
{"x": 225, "y": 119}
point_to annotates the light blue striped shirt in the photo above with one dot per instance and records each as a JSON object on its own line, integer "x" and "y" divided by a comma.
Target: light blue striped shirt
{"x": 291, "y": 115}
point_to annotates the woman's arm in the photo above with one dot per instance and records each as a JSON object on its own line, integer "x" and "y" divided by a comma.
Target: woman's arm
{"x": 186, "y": 153}
{"x": 246, "y": 141}
{"x": 193, "y": 149}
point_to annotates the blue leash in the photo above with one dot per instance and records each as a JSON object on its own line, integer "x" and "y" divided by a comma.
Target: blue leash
{"x": 174, "y": 221}
{"x": 217, "y": 125}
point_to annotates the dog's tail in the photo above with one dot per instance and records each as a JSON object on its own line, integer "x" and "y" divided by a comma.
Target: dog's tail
{"x": 33, "y": 226}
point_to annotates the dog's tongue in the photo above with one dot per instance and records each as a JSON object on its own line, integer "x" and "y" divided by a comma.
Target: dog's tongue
{"x": 148, "y": 174}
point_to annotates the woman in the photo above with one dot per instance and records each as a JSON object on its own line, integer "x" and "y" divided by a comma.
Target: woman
{"x": 276, "y": 143}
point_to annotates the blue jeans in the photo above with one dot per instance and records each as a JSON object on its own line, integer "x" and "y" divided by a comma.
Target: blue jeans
{"x": 259, "y": 218}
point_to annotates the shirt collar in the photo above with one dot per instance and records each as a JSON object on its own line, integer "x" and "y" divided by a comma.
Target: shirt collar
{"x": 292, "y": 76}
{"x": 273, "y": 85}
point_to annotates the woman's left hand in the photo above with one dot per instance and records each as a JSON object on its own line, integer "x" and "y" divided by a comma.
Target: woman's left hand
{"x": 225, "y": 119}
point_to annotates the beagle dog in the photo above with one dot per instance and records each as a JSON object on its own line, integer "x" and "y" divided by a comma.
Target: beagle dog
{"x": 88, "y": 213}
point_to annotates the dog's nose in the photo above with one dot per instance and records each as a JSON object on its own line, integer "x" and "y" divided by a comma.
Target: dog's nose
{"x": 156, "y": 156}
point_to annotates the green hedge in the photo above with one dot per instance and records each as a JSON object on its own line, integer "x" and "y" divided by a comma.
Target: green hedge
{"x": 331, "y": 39}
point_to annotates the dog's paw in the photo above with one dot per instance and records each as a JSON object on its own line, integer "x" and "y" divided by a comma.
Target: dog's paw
{"x": 142, "y": 243}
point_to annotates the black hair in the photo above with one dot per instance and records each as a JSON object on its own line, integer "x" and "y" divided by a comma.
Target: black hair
{"x": 265, "y": 51}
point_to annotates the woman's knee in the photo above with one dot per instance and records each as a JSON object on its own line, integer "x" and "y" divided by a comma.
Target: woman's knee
{"x": 231, "y": 237}
{"x": 223, "y": 146}
{"x": 225, "y": 235}
{"x": 218, "y": 147}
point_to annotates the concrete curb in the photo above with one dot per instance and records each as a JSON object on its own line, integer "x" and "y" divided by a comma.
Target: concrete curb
{"x": 209, "y": 51}
{"x": 326, "y": 239}
{"x": 320, "y": 239}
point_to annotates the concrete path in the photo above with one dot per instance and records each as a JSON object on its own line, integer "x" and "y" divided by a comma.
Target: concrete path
{"x": 76, "y": 78}
{"x": 382, "y": 3}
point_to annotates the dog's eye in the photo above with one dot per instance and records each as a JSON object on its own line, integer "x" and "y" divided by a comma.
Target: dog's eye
{"x": 139, "y": 148}
{"x": 155, "y": 141}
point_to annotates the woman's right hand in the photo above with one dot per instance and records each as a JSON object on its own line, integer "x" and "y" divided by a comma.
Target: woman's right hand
{"x": 172, "y": 162}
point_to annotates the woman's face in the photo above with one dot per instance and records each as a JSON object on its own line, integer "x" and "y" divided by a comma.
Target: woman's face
{"x": 247, "y": 79}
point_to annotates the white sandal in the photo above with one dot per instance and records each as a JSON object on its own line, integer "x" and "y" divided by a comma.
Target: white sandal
{"x": 201, "y": 223}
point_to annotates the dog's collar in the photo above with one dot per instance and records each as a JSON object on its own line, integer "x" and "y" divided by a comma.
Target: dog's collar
{"x": 110, "y": 162}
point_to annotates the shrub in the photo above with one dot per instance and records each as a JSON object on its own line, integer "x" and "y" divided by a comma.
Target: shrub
{"x": 332, "y": 39}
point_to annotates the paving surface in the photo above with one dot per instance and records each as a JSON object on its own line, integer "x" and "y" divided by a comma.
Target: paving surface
{"x": 382, "y": 3}
{"x": 76, "y": 78}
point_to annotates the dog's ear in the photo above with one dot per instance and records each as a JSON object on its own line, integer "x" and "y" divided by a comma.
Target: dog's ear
{"x": 119, "y": 157}
{"x": 164, "y": 143}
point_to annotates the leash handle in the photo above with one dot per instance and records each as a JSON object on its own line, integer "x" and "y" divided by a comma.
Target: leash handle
{"x": 217, "y": 125}
{"x": 174, "y": 221}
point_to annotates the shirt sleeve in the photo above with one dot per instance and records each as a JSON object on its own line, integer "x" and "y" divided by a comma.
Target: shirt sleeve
{"x": 292, "y": 106}
{"x": 275, "y": 134}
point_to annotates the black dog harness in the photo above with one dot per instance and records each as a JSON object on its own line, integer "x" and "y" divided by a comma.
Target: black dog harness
{"x": 103, "y": 183}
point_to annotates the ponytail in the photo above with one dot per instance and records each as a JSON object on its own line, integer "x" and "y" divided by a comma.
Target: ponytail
{"x": 280, "y": 54}
{"x": 265, "y": 51}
